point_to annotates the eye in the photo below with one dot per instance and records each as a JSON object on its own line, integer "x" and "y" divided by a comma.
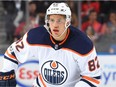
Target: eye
{"x": 59, "y": 21}
{"x": 51, "y": 20}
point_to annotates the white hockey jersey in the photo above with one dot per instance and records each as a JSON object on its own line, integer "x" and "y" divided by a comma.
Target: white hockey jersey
{"x": 70, "y": 63}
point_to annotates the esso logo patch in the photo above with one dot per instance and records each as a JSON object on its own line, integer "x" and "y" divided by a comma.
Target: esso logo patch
{"x": 26, "y": 73}
{"x": 53, "y": 72}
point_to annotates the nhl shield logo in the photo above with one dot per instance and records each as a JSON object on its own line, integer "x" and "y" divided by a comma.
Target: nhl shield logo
{"x": 53, "y": 72}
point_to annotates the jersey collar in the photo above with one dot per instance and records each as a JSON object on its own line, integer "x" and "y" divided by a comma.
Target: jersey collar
{"x": 60, "y": 43}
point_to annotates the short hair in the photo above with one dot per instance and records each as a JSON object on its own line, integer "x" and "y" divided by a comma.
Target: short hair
{"x": 92, "y": 11}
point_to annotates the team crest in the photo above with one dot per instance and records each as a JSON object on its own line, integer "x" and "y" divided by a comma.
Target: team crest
{"x": 54, "y": 72}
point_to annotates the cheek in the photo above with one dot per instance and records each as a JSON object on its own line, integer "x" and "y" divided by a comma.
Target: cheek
{"x": 51, "y": 27}
{"x": 62, "y": 29}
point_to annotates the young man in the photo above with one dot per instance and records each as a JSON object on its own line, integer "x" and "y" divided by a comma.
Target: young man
{"x": 67, "y": 57}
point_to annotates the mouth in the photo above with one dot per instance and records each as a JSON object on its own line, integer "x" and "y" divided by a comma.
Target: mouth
{"x": 56, "y": 31}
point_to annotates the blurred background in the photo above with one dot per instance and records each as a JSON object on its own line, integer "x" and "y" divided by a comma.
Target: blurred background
{"x": 95, "y": 18}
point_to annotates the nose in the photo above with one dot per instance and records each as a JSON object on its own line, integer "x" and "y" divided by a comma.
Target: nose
{"x": 55, "y": 24}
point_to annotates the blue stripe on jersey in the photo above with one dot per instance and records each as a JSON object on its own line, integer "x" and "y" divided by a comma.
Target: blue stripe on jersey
{"x": 10, "y": 59}
{"x": 98, "y": 77}
{"x": 76, "y": 41}
{"x": 91, "y": 85}
{"x": 13, "y": 54}
{"x": 37, "y": 81}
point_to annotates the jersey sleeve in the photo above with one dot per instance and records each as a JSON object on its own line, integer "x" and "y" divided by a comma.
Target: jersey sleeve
{"x": 20, "y": 49}
{"x": 90, "y": 70}
{"x": 18, "y": 52}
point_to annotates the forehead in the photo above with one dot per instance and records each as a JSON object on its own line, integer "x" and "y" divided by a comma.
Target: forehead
{"x": 55, "y": 16}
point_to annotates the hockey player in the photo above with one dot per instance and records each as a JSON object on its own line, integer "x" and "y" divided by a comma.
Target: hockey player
{"x": 67, "y": 57}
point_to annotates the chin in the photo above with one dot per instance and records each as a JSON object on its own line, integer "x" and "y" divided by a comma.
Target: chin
{"x": 55, "y": 36}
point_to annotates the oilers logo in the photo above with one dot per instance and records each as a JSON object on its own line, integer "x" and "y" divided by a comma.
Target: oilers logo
{"x": 54, "y": 72}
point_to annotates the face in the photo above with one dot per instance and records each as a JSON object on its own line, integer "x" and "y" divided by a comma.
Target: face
{"x": 93, "y": 16}
{"x": 57, "y": 26}
{"x": 112, "y": 17}
{"x": 32, "y": 8}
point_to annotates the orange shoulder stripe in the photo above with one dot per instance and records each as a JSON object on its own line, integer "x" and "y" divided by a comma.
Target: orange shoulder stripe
{"x": 10, "y": 55}
{"x": 42, "y": 80}
{"x": 63, "y": 40}
{"x": 91, "y": 79}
